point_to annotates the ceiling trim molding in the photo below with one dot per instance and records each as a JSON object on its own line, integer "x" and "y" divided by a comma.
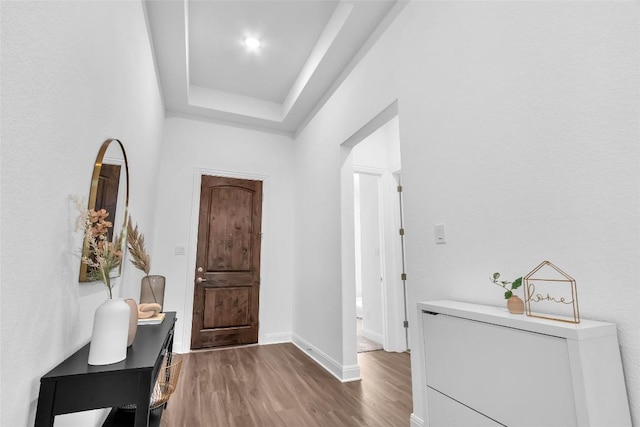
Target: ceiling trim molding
{"x": 328, "y": 37}
{"x": 372, "y": 125}
{"x": 228, "y": 123}
{"x": 226, "y": 102}
{"x": 152, "y": 48}
{"x": 234, "y": 103}
{"x": 344, "y": 35}
{"x": 380, "y": 29}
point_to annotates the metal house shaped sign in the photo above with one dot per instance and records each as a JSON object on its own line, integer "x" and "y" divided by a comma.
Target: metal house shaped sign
{"x": 550, "y": 293}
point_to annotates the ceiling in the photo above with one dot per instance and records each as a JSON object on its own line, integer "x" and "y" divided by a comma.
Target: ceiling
{"x": 307, "y": 46}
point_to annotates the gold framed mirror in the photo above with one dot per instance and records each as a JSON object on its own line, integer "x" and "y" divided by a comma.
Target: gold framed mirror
{"x": 109, "y": 191}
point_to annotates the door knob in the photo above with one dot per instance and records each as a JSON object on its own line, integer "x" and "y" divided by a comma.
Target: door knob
{"x": 200, "y": 269}
{"x": 200, "y": 280}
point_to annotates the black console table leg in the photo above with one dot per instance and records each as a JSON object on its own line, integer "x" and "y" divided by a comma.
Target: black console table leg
{"x": 144, "y": 399}
{"x": 44, "y": 411}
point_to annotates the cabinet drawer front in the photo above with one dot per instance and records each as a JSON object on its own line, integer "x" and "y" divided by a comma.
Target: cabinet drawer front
{"x": 515, "y": 377}
{"x": 446, "y": 412}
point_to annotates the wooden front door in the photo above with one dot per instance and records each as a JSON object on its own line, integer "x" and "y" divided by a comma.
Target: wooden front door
{"x": 227, "y": 288}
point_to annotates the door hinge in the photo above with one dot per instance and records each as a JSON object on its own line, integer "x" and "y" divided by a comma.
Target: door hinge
{"x": 399, "y": 188}
{"x": 406, "y": 323}
{"x": 402, "y": 231}
{"x": 403, "y": 276}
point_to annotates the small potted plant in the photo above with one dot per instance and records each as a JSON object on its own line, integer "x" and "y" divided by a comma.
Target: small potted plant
{"x": 514, "y": 304}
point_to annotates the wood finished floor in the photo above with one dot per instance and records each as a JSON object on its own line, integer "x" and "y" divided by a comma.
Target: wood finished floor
{"x": 278, "y": 385}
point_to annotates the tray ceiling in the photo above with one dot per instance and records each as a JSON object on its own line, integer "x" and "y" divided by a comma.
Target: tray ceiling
{"x": 205, "y": 70}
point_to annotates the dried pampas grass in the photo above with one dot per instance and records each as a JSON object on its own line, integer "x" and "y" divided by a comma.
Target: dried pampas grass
{"x": 135, "y": 243}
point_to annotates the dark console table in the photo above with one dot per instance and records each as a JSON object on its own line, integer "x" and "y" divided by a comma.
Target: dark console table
{"x": 75, "y": 386}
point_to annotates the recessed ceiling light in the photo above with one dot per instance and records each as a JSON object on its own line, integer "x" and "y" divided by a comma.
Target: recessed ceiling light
{"x": 252, "y": 43}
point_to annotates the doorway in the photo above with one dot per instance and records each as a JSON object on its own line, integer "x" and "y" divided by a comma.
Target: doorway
{"x": 380, "y": 300}
{"x": 371, "y": 159}
{"x": 227, "y": 276}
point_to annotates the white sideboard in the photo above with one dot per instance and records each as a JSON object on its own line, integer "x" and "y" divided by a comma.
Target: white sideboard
{"x": 486, "y": 367}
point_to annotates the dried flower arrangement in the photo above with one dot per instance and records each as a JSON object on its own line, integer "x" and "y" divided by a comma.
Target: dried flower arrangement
{"x": 102, "y": 255}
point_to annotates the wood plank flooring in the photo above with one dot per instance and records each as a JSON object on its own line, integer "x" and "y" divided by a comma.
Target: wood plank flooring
{"x": 278, "y": 385}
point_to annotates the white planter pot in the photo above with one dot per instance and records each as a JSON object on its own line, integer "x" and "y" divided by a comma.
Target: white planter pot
{"x": 110, "y": 331}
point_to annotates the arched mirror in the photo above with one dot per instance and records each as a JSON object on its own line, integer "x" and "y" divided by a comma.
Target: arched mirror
{"x": 110, "y": 191}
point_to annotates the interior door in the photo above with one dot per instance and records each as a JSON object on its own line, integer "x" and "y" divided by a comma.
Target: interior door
{"x": 227, "y": 278}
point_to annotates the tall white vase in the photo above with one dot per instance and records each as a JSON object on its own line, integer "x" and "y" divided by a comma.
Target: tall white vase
{"x": 110, "y": 331}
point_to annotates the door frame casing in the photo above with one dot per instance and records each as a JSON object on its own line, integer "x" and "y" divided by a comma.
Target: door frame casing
{"x": 198, "y": 173}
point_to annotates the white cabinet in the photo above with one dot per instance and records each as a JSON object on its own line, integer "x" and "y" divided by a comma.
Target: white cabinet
{"x": 486, "y": 367}
{"x": 451, "y": 413}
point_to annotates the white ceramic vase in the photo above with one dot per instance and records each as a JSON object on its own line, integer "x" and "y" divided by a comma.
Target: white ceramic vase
{"x": 110, "y": 332}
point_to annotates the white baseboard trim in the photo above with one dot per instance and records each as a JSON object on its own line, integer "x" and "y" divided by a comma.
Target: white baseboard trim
{"x": 276, "y": 338}
{"x": 416, "y": 421}
{"x": 373, "y": 336}
{"x": 350, "y": 373}
{"x": 342, "y": 373}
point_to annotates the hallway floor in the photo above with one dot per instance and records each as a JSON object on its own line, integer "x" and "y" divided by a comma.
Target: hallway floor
{"x": 278, "y": 385}
{"x": 364, "y": 343}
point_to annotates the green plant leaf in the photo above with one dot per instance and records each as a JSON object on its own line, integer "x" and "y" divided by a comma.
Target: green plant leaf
{"x": 496, "y": 276}
{"x": 508, "y": 294}
{"x": 516, "y": 283}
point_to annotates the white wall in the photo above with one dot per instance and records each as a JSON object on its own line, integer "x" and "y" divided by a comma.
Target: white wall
{"x": 519, "y": 131}
{"x": 380, "y": 150}
{"x": 358, "y": 247}
{"x": 317, "y": 295}
{"x": 73, "y": 75}
{"x": 191, "y": 148}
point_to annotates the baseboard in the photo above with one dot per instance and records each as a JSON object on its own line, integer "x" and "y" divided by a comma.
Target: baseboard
{"x": 342, "y": 373}
{"x": 350, "y": 373}
{"x": 373, "y": 336}
{"x": 416, "y": 421}
{"x": 277, "y": 338}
